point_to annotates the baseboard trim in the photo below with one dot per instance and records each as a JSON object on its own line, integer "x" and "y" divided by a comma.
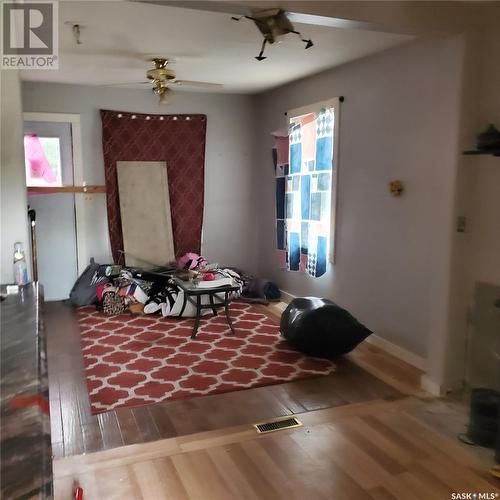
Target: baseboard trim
{"x": 397, "y": 351}
{"x": 387, "y": 346}
{"x": 430, "y": 386}
{"x": 286, "y": 297}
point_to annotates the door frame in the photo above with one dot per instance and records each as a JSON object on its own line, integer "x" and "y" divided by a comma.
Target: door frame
{"x": 76, "y": 140}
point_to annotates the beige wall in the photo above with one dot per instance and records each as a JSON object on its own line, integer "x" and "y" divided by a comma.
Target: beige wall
{"x": 400, "y": 120}
{"x": 476, "y": 253}
{"x": 14, "y": 220}
{"x": 402, "y": 267}
{"x": 485, "y": 213}
{"x": 228, "y": 229}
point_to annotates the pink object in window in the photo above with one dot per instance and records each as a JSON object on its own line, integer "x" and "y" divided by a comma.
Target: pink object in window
{"x": 35, "y": 156}
{"x": 282, "y": 147}
{"x": 308, "y": 124}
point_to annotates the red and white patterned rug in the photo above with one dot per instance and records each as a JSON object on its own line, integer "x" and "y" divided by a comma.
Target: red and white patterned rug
{"x": 140, "y": 360}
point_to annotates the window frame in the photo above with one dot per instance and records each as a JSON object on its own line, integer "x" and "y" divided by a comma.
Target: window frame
{"x": 78, "y": 176}
{"x": 315, "y": 108}
{"x": 59, "y": 175}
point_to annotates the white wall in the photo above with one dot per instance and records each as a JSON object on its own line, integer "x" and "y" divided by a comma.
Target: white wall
{"x": 476, "y": 252}
{"x": 485, "y": 215}
{"x": 399, "y": 120}
{"x": 14, "y": 217}
{"x": 228, "y": 230}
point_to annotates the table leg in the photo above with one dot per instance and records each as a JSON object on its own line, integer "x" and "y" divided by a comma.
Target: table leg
{"x": 198, "y": 315}
{"x": 226, "y": 308}
{"x": 212, "y": 304}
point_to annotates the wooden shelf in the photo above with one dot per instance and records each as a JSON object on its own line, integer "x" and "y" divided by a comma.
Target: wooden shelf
{"x": 66, "y": 189}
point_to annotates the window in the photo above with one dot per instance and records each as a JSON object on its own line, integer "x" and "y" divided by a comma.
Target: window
{"x": 42, "y": 161}
{"x": 306, "y": 181}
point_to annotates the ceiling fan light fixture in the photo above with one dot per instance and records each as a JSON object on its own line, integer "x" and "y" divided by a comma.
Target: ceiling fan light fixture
{"x": 159, "y": 87}
{"x": 160, "y": 74}
{"x": 159, "y": 62}
{"x": 277, "y": 26}
{"x": 161, "y": 79}
{"x": 273, "y": 23}
{"x": 166, "y": 96}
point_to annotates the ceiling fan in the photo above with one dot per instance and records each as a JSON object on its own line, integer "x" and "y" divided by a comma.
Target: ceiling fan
{"x": 162, "y": 79}
{"x": 273, "y": 23}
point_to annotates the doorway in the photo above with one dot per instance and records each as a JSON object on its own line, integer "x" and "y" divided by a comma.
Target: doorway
{"x": 50, "y": 170}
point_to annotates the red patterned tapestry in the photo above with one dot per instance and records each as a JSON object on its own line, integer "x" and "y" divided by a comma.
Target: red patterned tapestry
{"x": 141, "y": 360}
{"x": 179, "y": 140}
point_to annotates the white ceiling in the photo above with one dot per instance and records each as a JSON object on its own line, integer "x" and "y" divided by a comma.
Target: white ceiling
{"x": 208, "y": 46}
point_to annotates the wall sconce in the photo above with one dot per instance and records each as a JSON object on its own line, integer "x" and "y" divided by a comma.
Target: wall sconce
{"x": 396, "y": 188}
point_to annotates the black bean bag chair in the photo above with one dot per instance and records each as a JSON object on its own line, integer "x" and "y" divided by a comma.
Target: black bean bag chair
{"x": 319, "y": 327}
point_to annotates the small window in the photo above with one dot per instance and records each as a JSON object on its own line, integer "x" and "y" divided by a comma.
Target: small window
{"x": 42, "y": 161}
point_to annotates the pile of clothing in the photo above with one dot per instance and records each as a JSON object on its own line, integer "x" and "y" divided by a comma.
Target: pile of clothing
{"x": 116, "y": 289}
{"x": 122, "y": 292}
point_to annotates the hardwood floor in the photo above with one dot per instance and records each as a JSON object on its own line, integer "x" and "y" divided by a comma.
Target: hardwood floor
{"x": 360, "y": 437}
{"x": 75, "y": 430}
{"x": 373, "y": 450}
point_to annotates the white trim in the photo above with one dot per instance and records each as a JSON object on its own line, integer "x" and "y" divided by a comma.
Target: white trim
{"x": 80, "y": 198}
{"x": 287, "y": 297}
{"x": 78, "y": 178}
{"x": 335, "y": 181}
{"x": 397, "y": 351}
{"x": 313, "y": 108}
{"x": 430, "y": 386}
{"x": 76, "y": 135}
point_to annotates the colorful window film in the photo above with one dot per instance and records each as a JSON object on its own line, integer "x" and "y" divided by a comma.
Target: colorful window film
{"x": 42, "y": 157}
{"x": 305, "y": 192}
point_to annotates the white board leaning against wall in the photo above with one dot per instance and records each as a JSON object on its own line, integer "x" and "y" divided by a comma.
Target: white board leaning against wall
{"x": 145, "y": 213}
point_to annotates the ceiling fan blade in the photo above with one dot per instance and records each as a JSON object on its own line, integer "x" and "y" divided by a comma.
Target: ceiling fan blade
{"x": 123, "y": 84}
{"x": 206, "y": 85}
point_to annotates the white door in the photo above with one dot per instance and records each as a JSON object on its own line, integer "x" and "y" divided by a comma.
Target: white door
{"x": 55, "y": 212}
